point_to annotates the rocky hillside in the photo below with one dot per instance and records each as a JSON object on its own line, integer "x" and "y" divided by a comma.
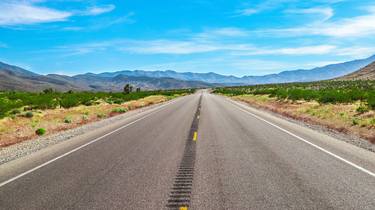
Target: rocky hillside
{"x": 366, "y": 73}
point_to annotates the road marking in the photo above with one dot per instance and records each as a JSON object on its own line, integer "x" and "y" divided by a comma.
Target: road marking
{"x": 183, "y": 208}
{"x": 240, "y": 107}
{"x": 157, "y": 109}
{"x": 195, "y": 136}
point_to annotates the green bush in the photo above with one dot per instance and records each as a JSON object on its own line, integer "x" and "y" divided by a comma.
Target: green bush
{"x": 362, "y": 109}
{"x": 101, "y": 115}
{"x": 29, "y": 115}
{"x": 355, "y": 121}
{"x": 40, "y": 131}
{"x": 15, "y": 111}
{"x": 119, "y": 110}
{"x": 85, "y": 117}
{"x": 69, "y": 102}
{"x": 371, "y": 100}
{"x": 68, "y": 120}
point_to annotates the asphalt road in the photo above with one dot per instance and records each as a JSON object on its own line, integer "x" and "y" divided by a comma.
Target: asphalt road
{"x": 242, "y": 158}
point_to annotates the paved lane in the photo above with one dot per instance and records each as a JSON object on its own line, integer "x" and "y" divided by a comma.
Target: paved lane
{"x": 130, "y": 169}
{"x": 245, "y": 163}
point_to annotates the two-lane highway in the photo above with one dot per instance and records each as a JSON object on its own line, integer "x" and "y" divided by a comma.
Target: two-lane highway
{"x": 243, "y": 159}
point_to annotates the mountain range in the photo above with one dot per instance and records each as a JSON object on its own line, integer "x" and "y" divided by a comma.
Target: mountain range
{"x": 301, "y": 75}
{"x": 16, "y": 78}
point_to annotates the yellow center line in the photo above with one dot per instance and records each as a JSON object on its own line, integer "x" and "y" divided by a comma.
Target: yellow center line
{"x": 183, "y": 208}
{"x": 195, "y": 136}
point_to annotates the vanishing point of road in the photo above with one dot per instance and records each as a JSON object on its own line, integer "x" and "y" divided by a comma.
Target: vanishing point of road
{"x": 200, "y": 151}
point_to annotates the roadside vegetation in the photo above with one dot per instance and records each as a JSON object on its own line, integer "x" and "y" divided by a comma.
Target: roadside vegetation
{"x": 345, "y": 106}
{"x": 15, "y": 103}
{"x": 25, "y": 115}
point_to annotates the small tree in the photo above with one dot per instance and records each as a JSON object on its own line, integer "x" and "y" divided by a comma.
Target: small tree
{"x": 138, "y": 89}
{"x": 128, "y": 88}
{"x": 48, "y": 90}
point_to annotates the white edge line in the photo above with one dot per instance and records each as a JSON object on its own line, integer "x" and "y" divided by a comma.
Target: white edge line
{"x": 158, "y": 109}
{"x": 239, "y": 106}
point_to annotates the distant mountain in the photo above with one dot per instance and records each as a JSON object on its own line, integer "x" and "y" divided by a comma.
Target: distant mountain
{"x": 319, "y": 73}
{"x": 116, "y": 83}
{"x": 16, "y": 78}
{"x": 366, "y": 73}
{"x": 188, "y": 76}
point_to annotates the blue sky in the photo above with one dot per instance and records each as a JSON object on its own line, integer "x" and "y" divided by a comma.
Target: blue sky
{"x": 235, "y": 37}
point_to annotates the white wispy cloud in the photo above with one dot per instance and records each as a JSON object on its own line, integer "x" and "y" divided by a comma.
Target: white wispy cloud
{"x": 187, "y": 47}
{"x": 304, "y": 50}
{"x": 159, "y": 46}
{"x": 261, "y": 7}
{"x": 267, "y": 5}
{"x": 353, "y": 27}
{"x": 86, "y": 48}
{"x": 181, "y": 47}
{"x": 221, "y": 33}
{"x": 29, "y": 12}
{"x": 247, "y": 11}
{"x": 23, "y": 13}
{"x": 356, "y": 51}
{"x": 98, "y": 10}
{"x": 103, "y": 23}
{"x": 325, "y": 12}
{"x": 226, "y": 40}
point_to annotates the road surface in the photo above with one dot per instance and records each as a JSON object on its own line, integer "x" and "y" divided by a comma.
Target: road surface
{"x": 200, "y": 151}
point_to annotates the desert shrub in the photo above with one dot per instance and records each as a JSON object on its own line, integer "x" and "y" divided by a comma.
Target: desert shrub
{"x": 68, "y": 120}
{"x": 85, "y": 117}
{"x": 43, "y": 101}
{"x": 40, "y": 131}
{"x": 29, "y": 115}
{"x": 101, "y": 115}
{"x": 69, "y": 102}
{"x": 355, "y": 121}
{"x": 119, "y": 110}
{"x": 371, "y": 100}
{"x": 362, "y": 109}
{"x": 15, "y": 111}
{"x": 118, "y": 101}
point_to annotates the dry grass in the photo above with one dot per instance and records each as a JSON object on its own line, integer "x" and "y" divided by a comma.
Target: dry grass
{"x": 18, "y": 129}
{"x": 340, "y": 117}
